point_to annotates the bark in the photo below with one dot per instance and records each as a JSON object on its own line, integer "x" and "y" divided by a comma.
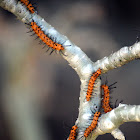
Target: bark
{"x": 84, "y": 67}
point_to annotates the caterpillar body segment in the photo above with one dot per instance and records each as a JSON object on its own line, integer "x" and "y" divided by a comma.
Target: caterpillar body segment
{"x": 106, "y": 97}
{"x": 44, "y": 38}
{"x": 91, "y": 83}
{"x": 92, "y": 125}
{"x": 73, "y": 133}
{"x": 28, "y": 5}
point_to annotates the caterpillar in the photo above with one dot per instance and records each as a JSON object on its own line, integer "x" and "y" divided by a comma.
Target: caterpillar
{"x": 72, "y": 135}
{"x": 29, "y": 5}
{"x": 91, "y": 83}
{"x": 92, "y": 125}
{"x": 106, "y": 97}
{"x": 51, "y": 44}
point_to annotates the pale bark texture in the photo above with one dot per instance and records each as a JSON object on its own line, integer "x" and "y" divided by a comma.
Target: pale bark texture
{"x": 81, "y": 63}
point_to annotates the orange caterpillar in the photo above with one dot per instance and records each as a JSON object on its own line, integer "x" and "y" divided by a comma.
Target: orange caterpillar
{"x": 72, "y": 135}
{"x": 45, "y": 38}
{"x": 93, "y": 124}
{"x": 29, "y": 5}
{"x": 91, "y": 83}
{"x": 105, "y": 101}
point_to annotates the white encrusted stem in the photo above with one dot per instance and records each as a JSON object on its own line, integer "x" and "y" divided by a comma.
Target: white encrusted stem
{"x": 109, "y": 122}
{"x": 73, "y": 54}
{"x": 119, "y": 58}
{"x": 117, "y": 134}
{"x": 87, "y": 109}
{"x": 78, "y": 60}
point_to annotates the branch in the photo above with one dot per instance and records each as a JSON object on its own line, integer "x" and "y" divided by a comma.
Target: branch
{"x": 110, "y": 122}
{"x": 119, "y": 58}
{"x": 79, "y": 61}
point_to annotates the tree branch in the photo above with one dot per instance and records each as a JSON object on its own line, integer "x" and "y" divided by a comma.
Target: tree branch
{"x": 110, "y": 122}
{"x": 79, "y": 61}
{"x": 119, "y": 58}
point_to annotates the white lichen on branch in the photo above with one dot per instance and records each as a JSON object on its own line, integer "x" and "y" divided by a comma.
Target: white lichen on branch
{"x": 119, "y": 58}
{"x": 79, "y": 61}
{"x": 109, "y": 122}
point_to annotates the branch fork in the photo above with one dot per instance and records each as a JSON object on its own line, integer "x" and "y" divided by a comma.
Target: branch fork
{"x": 81, "y": 63}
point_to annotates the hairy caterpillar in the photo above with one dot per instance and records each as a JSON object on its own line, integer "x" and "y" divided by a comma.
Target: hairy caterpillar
{"x": 72, "y": 135}
{"x": 92, "y": 125}
{"x": 106, "y": 97}
{"x": 45, "y": 38}
{"x": 91, "y": 83}
{"x": 29, "y": 5}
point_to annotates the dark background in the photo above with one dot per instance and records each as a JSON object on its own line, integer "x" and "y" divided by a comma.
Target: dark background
{"x": 98, "y": 27}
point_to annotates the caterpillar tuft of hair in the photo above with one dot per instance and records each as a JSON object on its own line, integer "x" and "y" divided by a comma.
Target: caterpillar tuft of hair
{"x": 72, "y": 135}
{"x": 45, "y": 39}
{"x": 28, "y": 5}
{"x": 91, "y": 83}
{"x": 92, "y": 125}
{"x": 106, "y": 97}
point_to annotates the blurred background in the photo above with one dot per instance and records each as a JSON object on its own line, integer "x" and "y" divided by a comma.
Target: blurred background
{"x": 39, "y": 93}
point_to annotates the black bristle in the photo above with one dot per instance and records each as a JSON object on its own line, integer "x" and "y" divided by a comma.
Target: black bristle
{"x": 81, "y": 138}
{"x": 112, "y": 84}
{"x": 27, "y": 23}
{"x": 62, "y": 53}
{"x": 137, "y": 39}
{"x": 111, "y": 106}
{"x": 37, "y": 38}
{"x": 44, "y": 47}
{"x": 115, "y": 103}
{"x": 40, "y": 42}
{"x": 29, "y": 31}
{"x": 55, "y": 51}
{"x": 51, "y": 52}
{"x": 121, "y": 101}
{"x": 48, "y": 49}
{"x": 33, "y": 34}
